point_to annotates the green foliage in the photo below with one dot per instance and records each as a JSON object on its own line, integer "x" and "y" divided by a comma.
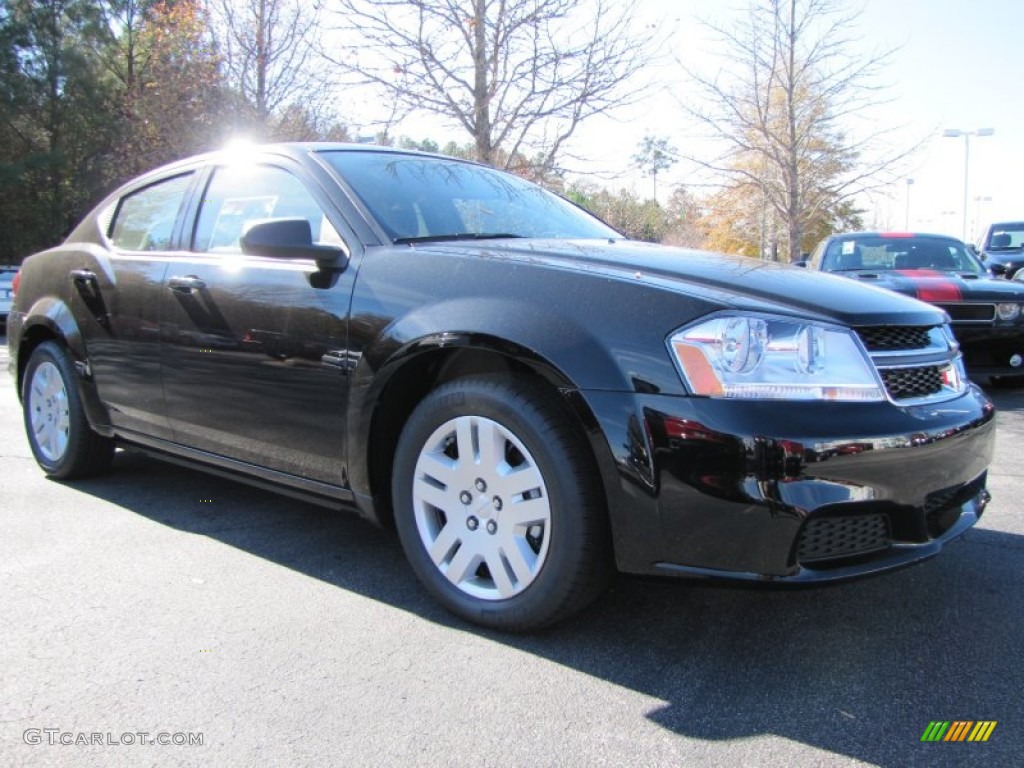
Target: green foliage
{"x": 654, "y": 155}
{"x": 94, "y": 92}
{"x": 55, "y": 136}
{"x": 625, "y": 211}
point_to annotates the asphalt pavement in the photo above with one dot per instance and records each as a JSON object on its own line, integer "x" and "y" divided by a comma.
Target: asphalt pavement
{"x": 248, "y": 629}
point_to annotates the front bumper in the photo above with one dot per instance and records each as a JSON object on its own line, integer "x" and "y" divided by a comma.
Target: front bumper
{"x": 789, "y": 492}
{"x": 989, "y": 350}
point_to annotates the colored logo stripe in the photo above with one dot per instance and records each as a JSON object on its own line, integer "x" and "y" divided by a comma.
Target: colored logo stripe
{"x": 982, "y": 730}
{"x": 959, "y": 730}
{"x": 932, "y": 286}
{"x": 935, "y": 730}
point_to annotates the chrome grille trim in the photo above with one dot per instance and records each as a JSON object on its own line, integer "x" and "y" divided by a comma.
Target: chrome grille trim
{"x": 911, "y": 362}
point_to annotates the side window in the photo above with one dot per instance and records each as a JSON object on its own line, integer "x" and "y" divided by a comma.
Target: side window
{"x": 239, "y": 196}
{"x": 144, "y": 220}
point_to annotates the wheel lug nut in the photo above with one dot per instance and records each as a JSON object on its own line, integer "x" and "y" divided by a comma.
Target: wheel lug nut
{"x": 465, "y": 497}
{"x": 472, "y": 523}
{"x": 492, "y": 527}
{"x": 481, "y": 485}
{"x": 496, "y": 501}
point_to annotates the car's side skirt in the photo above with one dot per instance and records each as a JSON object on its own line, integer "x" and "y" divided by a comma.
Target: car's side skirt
{"x": 323, "y": 494}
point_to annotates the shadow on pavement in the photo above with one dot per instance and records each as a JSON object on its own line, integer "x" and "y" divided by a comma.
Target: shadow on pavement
{"x": 1007, "y": 395}
{"x": 857, "y": 669}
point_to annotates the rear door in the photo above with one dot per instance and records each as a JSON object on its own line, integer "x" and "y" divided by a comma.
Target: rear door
{"x": 251, "y": 352}
{"x": 115, "y": 290}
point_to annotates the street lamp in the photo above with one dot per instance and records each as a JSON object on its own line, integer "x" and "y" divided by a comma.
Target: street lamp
{"x": 955, "y": 133}
{"x": 906, "y": 220}
{"x": 978, "y": 200}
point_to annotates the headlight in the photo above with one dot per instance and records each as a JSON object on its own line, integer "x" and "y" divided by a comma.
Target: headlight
{"x": 765, "y": 358}
{"x": 1008, "y": 311}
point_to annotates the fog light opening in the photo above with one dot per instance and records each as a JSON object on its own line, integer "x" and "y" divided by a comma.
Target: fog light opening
{"x": 1016, "y": 360}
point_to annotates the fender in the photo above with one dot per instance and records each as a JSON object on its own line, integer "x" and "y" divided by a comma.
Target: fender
{"x": 563, "y": 348}
{"x": 557, "y": 338}
{"x": 53, "y": 314}
{"x": 516, "y": 330}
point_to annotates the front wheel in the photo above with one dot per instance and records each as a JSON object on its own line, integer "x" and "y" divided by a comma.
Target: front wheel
{"x": 496, "y": 504}
{"x": 59, "y": 434}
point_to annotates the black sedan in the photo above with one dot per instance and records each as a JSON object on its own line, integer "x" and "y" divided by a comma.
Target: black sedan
{"x": 987, "y": 313}
{"x": 1002, "y": 248}
{"x": 528, "y": 398}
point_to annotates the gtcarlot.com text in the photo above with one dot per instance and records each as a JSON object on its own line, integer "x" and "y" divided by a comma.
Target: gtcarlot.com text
{"x": 58, "y": 736}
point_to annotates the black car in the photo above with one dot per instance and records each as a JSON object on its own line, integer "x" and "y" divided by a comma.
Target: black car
{"x": 528, "y": 398}
{"x": 1002, "y": 248}
{"x": 987, "y": 313}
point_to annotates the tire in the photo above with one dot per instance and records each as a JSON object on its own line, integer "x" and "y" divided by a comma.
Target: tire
{"x": 59, "y": 434}
{"x": 514, "y": 537}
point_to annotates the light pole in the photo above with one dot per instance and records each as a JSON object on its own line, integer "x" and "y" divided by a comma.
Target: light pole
{"x": 906, "y": 220}
{"x": 955, "y": 133}
{"x": 978, "y": 200}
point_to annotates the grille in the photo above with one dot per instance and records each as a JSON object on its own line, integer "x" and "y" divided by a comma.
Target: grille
{"x": 942, "y": 508}
{"x": 906, "y": 383}
{"x": 830, "y": 538}
{"x": 882, "y": 338}
{"x": 978, "y": 312}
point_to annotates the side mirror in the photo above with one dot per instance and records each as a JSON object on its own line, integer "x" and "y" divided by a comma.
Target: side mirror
{"x": 972, "y": 248}
{"x": 290, "y": 239}
{"x": 999, "y": 270}
{"x": 801, "y": 263}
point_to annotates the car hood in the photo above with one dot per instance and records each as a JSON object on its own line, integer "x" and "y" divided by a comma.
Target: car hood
{"x": 1004, "y": 254}
{"x": 941, "y": 287}
{"x": 734, "y": 281}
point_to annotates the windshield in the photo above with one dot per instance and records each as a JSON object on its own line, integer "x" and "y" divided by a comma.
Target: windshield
{"x": 417, "y": 198}
{"x": 1006, "y": 237}
{"x": 881, "y": 252}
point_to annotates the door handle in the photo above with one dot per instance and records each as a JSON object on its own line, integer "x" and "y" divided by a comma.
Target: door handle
{"x": 83, "y": 275}
{"x": 186, "y": 284}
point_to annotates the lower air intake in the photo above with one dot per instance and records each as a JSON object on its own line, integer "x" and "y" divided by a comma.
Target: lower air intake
{"x": 832, "y": 538}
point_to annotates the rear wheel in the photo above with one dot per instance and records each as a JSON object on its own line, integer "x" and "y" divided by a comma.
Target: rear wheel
{"x": 59, "y": 434}
{"x": 496, "y": 505}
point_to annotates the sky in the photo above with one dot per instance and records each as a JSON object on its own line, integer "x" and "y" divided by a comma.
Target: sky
{"x": 957, "y": 65}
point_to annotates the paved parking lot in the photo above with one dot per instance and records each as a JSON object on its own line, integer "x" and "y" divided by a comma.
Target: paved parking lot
{"x": 159, "y": 600}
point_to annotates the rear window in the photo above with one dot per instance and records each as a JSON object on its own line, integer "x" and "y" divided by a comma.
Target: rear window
{"x": 1008, "y": 235}
{"x": 144, "y": 220}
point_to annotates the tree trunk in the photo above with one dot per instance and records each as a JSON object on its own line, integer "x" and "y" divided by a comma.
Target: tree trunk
{"x": 481, "y": 97}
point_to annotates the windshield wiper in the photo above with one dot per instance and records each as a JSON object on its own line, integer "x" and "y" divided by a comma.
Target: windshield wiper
{"x": 454, "y": 236}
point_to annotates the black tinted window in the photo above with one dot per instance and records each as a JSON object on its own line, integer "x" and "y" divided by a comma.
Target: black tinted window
{"x": 423, "y": 197}
{"x": 145, "y": 219}
{"x": 1009, "y": 235}
{"x": 878, "y": 252}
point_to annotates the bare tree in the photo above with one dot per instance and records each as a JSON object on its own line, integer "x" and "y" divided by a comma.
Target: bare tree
{"x": 782, "y": 104}
{"x": 518, "y": 76}
{"x": 269, "y": 53}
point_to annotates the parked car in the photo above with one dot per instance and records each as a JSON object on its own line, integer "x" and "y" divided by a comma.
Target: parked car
{"x": 6, "y": 295}
{"x": 526, "y": 396}
{"x": 987, "y": 313}
{"x": 1001, "y": 248}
